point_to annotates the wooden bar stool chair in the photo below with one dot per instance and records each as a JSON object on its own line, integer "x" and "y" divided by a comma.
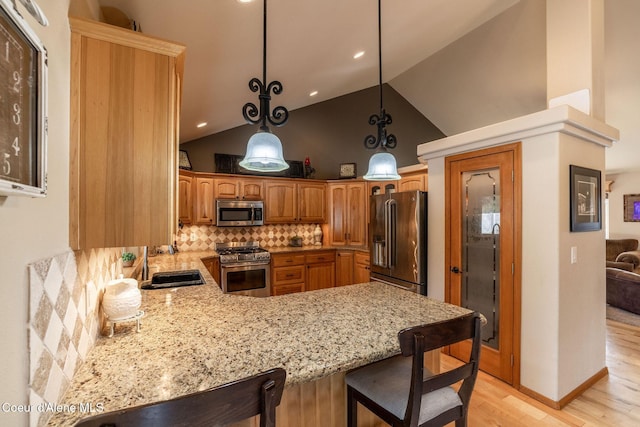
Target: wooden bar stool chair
{"x": 219, "y": 406}
{"x": 403, "y": 393}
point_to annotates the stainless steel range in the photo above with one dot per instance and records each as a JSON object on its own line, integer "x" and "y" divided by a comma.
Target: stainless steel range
{"x": 244, "y": 269}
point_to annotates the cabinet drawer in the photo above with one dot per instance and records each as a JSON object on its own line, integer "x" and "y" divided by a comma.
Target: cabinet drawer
{"x": 283, "y": 260}
{"x": 328, "y": 256}
{"x": 362, "y": 258}
{"x": 287, "y": 289}
{"x": 283, "y": 275}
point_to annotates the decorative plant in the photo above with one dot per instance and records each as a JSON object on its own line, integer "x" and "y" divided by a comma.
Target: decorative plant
{"x": 128, "y": 257}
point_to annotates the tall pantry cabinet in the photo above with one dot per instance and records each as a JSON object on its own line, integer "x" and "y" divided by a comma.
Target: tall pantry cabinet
{"x": 125, "y": 103}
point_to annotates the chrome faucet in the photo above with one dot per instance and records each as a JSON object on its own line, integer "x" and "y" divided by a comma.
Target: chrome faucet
{"x": 145, "y": 264}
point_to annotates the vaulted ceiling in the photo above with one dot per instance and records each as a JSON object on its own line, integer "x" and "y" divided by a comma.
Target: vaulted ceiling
{"x": 310, "y": 47}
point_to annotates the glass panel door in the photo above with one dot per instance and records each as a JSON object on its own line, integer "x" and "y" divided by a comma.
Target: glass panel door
{"x": 481, "y": 249}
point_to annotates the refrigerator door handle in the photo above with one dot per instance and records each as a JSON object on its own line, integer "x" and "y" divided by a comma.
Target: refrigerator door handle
{"x": 390, "y": 229}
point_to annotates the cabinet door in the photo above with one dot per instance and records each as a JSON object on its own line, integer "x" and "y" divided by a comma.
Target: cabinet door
{"x": 415, "y": 181}
{"x": 251, "y": 189}
{"x": 124, "y": 111}
{"x": 361, "y": 268}
{"x": 320, "y": 276}
{"x": 312, "y": 207}
{"x": 226, "y": 188}
{"x": 344, "y": 268}
{"x": 337, "y": 214}
{"x": 356, "y": 215}
{"x": 280, "y": 202}
{"x": 185, "y": 199}
{"x": 205, "y": 209}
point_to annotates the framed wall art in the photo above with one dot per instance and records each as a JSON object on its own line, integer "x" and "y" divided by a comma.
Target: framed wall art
{"x": 585, "y": 201}
{"x": 632, "y": 208}
{"x": 23, "y": 116}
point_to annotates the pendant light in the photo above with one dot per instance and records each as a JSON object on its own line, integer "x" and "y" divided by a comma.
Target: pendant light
{"x": 264, "y": 149}
{"x": 382, "y": 165}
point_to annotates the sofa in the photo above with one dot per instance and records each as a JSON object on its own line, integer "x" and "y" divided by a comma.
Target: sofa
{"x": 623, "y": 274}
{"x": 623, "y": 254}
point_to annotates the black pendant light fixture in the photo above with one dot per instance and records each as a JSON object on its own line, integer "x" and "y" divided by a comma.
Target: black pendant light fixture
{"x": 264, "y": 149}
{"x": 382, "y": 165}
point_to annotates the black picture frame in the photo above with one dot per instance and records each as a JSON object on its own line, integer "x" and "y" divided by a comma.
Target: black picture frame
{"x": 585, "y": 198}
{"x": 183, "y": 161}
{"x": 631, "y": 208}
{"x": 348, "y": 170}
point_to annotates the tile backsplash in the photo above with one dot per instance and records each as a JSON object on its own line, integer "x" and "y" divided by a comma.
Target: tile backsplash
{"x": 64, "y": 302}
{"x": 268, "y": 236}
{"x": 64, "y": 319}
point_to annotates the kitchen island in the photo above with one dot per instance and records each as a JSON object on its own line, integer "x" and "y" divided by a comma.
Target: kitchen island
{"x": 196, "y": 337}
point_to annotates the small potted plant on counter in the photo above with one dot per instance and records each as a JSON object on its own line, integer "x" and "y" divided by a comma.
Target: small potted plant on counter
{"x": 127, "y": 259}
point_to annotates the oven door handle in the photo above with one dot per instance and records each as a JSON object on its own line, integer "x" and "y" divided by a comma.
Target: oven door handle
{"x": 244, "y": 264}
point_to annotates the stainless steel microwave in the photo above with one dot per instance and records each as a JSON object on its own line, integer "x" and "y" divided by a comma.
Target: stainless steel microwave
{"x": 238, "y": 213}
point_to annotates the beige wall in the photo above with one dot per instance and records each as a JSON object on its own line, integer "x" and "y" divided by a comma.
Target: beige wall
{"x": 624, "y": 183}
{"x": 35, "y": 228}
{"x": 329, "y": 133}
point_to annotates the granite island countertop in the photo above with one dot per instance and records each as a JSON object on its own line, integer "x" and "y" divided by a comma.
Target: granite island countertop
{"x": 196, "y": 337}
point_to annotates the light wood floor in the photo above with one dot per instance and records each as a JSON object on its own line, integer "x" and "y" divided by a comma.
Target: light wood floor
{"x": 613, "y": 401}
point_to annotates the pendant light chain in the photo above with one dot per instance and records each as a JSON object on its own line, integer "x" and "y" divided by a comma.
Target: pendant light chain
{"x": 250, "y": 111}
{"x": 264, "y": 149}
{"x": 383, "y": 140}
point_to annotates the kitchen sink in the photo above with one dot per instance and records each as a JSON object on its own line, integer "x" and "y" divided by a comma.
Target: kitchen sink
{"x": 173, "y": 279}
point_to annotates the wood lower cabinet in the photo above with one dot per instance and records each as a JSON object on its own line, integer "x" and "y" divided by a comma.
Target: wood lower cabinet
{"x": 361, "y": 267}
{"x": 344, "y": 268}
{"x": 287, "y": 273}
{"x": 321, "y": 270}
{"x": 124, "y": 114}
{"x": 302, "y": 271}
{"x": 205, "y": 213}
{"x": 213, "y": 266}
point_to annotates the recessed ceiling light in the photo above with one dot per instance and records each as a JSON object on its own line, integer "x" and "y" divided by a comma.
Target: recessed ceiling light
{"x": 358, "y": 54}
{"x": 244, "y": 1}
{"x": 313, "y": 93}
{"x": 201, "y": 125}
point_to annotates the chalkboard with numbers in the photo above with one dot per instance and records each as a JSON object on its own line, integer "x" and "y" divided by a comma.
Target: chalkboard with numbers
{"x": 23, "y": 120}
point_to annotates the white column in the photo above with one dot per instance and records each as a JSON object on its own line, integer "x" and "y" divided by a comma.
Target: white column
{"x": 575, "y": 51}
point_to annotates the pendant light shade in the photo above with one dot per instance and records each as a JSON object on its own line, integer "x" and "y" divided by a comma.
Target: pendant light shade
{"x": 382, "y": 167}
{"x": 264, "y": 153}
{"x": 264, "y": 149}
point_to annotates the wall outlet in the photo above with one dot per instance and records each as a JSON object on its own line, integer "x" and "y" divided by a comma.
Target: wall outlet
{"x": 184, "y": 237}
{"x": 193, "y": 236}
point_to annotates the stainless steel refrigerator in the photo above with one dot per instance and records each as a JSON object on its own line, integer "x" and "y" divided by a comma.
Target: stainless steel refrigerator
{"x": 398, "y": 239}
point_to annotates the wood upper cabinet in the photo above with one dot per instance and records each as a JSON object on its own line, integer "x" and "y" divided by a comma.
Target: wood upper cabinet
{"x": 239, "y": 188}
{"x": 348, "y": 208}
{"x": 413, "y": 181}
{"x": 280, "y": 202}
{"x": 312, "y": 199}
{"x": 289, "y": 201}
{"x": 205, "y": 213}
{"x": 125, "y": 97}
{"x": 381, "y": 187}
{"x": 185, "y": 198}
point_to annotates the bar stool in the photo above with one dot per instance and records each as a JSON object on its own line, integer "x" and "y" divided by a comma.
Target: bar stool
{"x": 228, "y": 403}
{"x": 403, "y": 393}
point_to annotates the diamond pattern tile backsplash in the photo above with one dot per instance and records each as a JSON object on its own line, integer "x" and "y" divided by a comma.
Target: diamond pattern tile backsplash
{"x": 64, "y": 301}
{"x": 268, "y": 236}
{"x": 64, "y": 319}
